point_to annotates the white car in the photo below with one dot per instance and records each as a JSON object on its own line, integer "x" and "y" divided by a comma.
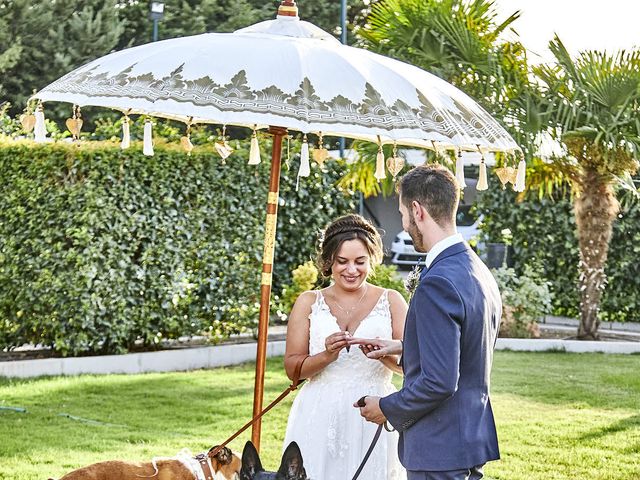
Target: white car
{"x": 403, "y": 253}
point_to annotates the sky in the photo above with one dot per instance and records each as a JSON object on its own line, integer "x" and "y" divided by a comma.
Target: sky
{"x": 581, "y": 24}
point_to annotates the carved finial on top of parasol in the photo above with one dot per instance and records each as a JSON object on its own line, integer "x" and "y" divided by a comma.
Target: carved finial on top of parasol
{"x": 288, "y": 8}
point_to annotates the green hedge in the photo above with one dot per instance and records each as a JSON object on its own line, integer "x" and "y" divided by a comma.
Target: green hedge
{"x": 544, "y": 236}
{"x": 109, "y": 251}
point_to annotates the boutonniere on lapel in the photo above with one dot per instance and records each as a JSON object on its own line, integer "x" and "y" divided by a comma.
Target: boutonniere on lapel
{"x": 413, "y": 279}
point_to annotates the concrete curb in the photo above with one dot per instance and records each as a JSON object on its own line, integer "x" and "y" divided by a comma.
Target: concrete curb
{"x": 162, "y": 361}
{"x": 572, "y": 322}
{"x": 224, "y": 355}
{"x": 573, "y": 346}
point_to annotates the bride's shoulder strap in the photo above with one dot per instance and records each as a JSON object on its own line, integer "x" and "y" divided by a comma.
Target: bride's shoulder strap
{"x": 319, "y": 300}
{"x": 385, "y": 296}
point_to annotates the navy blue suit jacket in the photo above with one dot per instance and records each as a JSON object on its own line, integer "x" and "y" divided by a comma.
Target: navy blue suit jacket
{"x": 443, "y": 411}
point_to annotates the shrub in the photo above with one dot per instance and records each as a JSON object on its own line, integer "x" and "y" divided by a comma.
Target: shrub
{"x": 525, "y": 299}
{"x": 303, "y": 278}
{"x": 386, "y": 276}
{"x": 105, "y": 251}
{"x": 544, "y": 234}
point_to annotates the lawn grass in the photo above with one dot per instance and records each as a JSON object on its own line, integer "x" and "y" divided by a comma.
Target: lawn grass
{"x": 560, "y": 416}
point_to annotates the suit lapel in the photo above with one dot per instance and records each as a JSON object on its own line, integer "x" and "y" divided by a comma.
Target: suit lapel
{"x": 447, "y": 252}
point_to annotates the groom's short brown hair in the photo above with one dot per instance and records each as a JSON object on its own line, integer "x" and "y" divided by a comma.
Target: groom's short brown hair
{"x": 435, "y": 188}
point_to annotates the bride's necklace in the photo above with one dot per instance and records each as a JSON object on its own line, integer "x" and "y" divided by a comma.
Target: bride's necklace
{"x": 349, "y": 310}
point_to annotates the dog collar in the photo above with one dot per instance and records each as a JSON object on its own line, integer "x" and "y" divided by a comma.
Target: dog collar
{"x": 205, "y": 465}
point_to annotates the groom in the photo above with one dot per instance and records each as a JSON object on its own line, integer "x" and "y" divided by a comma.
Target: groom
{"x": 443, "y": 411}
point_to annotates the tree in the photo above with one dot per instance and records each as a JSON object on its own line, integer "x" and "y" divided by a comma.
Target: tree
{"x": 50, "y": 38}
{"x": 459, "y": 42}
{"x": 455, "y": 40}
{"x": 592, "y": 105}
{"x": 41, "y": 40}
{"x": 9, "y": 52}
{"x": 191, "y": 17}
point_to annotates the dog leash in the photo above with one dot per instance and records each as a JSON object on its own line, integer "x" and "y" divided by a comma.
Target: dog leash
{"x": 368, "y": 454}
{"x": 295, "y": 383}
{"x": 361, "y": 403}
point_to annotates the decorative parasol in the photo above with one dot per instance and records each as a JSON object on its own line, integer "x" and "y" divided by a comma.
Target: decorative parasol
{"x": 280, "y": 75}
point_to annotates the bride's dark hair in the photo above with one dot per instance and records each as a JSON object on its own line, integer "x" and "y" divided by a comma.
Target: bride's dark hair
{"x": 348, "y": 227}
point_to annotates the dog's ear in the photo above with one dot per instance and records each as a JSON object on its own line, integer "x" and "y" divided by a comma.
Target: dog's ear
{"x": 250, "y": 462}
{"x": 291, "y": 467}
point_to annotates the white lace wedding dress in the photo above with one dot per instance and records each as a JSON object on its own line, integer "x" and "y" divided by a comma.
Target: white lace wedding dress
{"x": 332, "y": 436}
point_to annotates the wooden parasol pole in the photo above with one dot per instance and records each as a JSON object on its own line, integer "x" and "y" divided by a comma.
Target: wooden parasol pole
{"x": 267, "y": 271}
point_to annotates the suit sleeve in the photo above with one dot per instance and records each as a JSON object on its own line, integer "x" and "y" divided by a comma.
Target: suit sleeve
{"x": 439, "y": 311}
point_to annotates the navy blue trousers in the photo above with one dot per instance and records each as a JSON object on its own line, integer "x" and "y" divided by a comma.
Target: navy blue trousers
{"x": 474, "y": 473}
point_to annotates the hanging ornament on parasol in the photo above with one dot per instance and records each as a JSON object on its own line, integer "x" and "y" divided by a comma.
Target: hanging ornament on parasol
{"x": 320, "y": 154}
{"x": 395, "y": 163}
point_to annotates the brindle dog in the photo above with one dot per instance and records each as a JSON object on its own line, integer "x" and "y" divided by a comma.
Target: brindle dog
{"x": 291, "y": 467}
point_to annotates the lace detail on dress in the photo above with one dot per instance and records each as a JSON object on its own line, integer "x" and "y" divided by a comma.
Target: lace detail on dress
{"x": 376, "y": 324}
{"x": 332, "y": 436}
{"x": 382, "y": 308}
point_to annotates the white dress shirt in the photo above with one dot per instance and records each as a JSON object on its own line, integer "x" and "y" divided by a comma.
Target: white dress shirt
{"x": 441, "y": 246}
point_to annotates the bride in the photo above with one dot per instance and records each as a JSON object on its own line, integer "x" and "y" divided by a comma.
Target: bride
{"x": 332, "y": 436}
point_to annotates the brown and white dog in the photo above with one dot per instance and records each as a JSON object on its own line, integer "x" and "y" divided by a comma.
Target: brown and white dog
{"x": 225, "y": 465}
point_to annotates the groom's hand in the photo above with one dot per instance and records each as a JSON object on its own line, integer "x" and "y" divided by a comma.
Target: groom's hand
{"x": 377, "y": 348}
{"x": 371, "y": 409}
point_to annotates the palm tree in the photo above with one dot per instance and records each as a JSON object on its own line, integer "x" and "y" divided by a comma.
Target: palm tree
{"x": 456, "y": 40}
{"x": 592, "y": 105}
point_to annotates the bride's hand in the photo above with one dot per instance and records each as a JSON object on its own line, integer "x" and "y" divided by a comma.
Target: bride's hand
{"x": 336, "y": 342}
{"x": 367, "y": 349}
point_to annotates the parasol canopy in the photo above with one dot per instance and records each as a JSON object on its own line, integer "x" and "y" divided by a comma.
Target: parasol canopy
{"x": 289, "y": 73}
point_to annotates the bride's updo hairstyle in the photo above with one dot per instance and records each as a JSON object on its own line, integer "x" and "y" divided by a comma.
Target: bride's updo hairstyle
{"x": 348, "y": 227}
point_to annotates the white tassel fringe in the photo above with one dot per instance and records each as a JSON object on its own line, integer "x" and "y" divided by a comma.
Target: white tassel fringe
{"x": 126, "y": 135}
{"x": 147, "y": 145}
{"x": 254, "y": 152}
{"x": 380, "y": 173}
{"x": 40, "y": 128}
{"x": 520, "y": 176}
{"x": 305, "y": 166}
{"x": 460, "y": 171}
{"x": 482, "y": 177}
